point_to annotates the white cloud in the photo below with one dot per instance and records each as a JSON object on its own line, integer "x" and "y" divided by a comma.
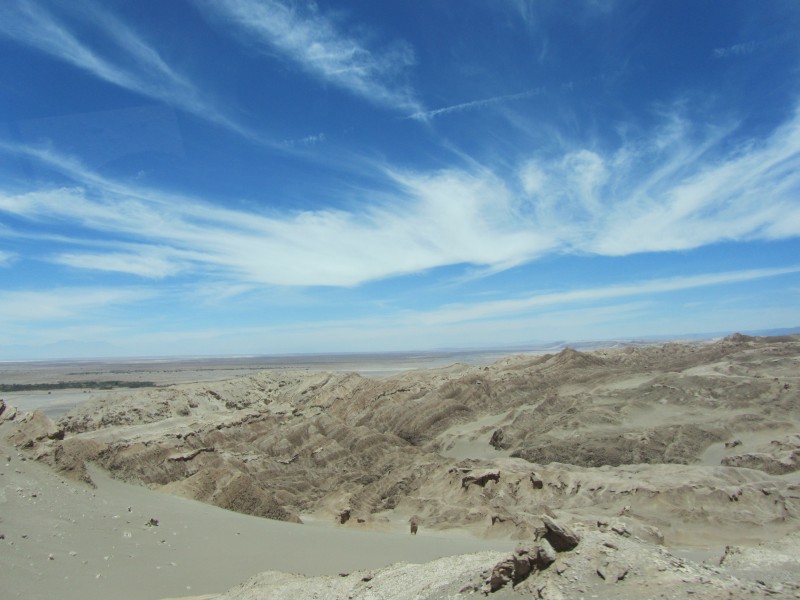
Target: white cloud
{"x": 62, "y": 303}
{"x": 315, "y": 42}
{"x": 309, "y": 140}
{"x": 149, "y": 263}
{"x": 434, "y": 220}
{"x": 533, "y": 178}
{"x": 138, "y": 67}
{"x": 502, "y": 308}
{"x": 6, "y": 258}
{"x": 673, "y": 189}
{"x": 751, "y": 194}
{"x": 735, "y": 50}
{"x": 425, "y": 115}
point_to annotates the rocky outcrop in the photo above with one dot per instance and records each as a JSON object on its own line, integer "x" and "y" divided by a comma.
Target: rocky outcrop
{"x": 234, "y": 491}
{"x": 480, "y": 479}
{"x": 561, "y": 537}
{"x": 605, "y": 565}
{"x": 777, "y": 458}
{"x": 497, "y": 441}
{"x": 666, "y": 444}
{"x": 648, "y": 498}
{"x": 7, "y": 412}
{"x": 525, "y": 561}
{"x": 33, "y": 428}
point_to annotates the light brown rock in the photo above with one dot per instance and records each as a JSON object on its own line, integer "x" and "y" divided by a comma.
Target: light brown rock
{"x": 561, "y": 537}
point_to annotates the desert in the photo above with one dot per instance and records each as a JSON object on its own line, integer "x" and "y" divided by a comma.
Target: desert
{"x": 352, "y": 300}
{"x": 639, "y": 471}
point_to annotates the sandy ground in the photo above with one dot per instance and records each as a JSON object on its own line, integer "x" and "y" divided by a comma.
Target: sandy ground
{"x": 57, "y": 402}
{"x": 66, "y": 540}
{"x": 471, "y": 440}
{"x": 669, "y": 460}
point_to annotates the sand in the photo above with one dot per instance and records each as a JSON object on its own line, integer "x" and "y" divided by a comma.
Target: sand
{"x": 677, "y": 464}
{"x": 100, "y": 549}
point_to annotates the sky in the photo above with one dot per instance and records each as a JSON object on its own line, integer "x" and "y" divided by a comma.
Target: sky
{"x": 215, "y": 177}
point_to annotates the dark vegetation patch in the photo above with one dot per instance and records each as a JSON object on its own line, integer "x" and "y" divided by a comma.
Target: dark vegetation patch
{"x": 73, "y": 385}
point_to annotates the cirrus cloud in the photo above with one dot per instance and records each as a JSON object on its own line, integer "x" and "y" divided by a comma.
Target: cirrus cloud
{"x": 313, "y": 41}
{"x": 674, "y": 189}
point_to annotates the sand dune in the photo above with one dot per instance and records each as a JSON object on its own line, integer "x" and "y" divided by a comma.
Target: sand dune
{"x": 101, "y": 549}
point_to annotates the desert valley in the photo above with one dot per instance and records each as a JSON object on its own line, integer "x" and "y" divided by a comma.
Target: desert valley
{"x": 650, "y": 471}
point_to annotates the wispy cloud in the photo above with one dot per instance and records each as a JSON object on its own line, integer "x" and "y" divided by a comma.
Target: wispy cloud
{"x": 426, "y": 115}
{"x": 63, "y": 303}
{"x": 133, "y": 64}
{"x": 749, "y": 47}
{"x": 742, "y": 49}
{"x": 674, "y": 188}
{"x": 6, "y": 258}
{"x": 633, "y": 309}
{"x": 502, "y": 308}
{"x": 315, "y": 42}
{"x": 309, "y": 140}
{"x": 150, "y": 262}
{"x": 447, "y": 218}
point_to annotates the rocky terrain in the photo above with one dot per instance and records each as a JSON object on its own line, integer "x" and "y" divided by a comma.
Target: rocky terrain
{"x": 604, "y": 564}
{"x": 641, "y": 449}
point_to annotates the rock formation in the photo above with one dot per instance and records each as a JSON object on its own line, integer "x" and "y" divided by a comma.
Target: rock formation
{"x": 639, "y": 438}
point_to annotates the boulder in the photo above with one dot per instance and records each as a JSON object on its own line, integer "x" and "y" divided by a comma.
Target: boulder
{"x": 497, "y": 440}
{"x": 525, "y": 561}
{"x": 561, "y": 537}
{"x": 612, "y": 571}
{"x": 502, "y": 574}
{"x": 543, "y": 555}
{"x": 7, "y": 412}
{"x": 776, "y": 458}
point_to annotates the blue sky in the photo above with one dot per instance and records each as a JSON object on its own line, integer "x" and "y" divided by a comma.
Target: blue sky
{"x": 269, "y": 176}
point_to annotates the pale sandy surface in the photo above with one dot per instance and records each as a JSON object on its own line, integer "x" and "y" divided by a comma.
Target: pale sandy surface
{"x": 471, "y": 440}
{"x": 57, "y": 402}
{"x": 662, "y": 457}
{"x": 101, "y": 550}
